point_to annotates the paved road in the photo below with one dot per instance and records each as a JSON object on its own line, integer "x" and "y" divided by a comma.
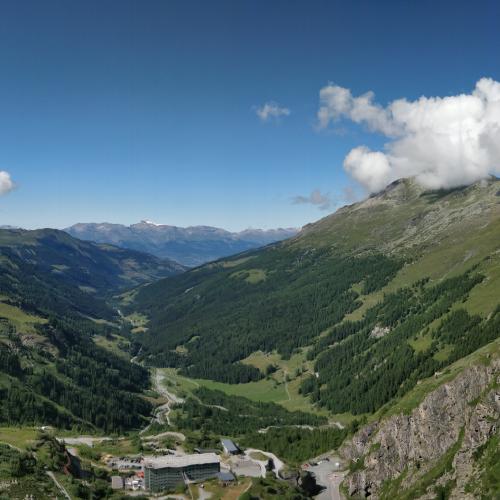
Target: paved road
{"x": 297, "y": 426}
{"x": 59, "y": 485}
{"x": 336, "y": 479}
{"x": 160, "y": 387}
{"x": 203, "y": 495}
{"x": 162, "y": 413}
{"x": 176, "y": 435}
{"x": 278, "y": 464}
{"x": 87, "y": 440}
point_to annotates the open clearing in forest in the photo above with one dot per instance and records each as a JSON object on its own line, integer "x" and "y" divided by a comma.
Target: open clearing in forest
{"x": 272, "y": 389}
{"x": 19, "y": 437}
{"x": 263, "y": 390}
{"x": 22, "y": 321}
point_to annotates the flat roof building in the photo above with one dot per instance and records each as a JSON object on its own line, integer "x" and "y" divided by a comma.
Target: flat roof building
{"x": 229, "y": 447}
{"x": 167, "y": 472}
{"x": 226, "y": 478}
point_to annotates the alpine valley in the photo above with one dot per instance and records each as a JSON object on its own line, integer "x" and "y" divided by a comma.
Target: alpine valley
{"x": 371, "y": 337}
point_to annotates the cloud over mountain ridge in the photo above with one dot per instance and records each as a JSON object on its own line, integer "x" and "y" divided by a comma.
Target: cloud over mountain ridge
{"x": 443, "y": 142}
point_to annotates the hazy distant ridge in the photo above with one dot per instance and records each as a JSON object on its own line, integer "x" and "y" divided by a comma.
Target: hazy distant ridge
{"x": 190, "y": 246}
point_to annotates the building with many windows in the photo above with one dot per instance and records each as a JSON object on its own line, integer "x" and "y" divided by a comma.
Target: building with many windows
{"x": 167, "y": 472}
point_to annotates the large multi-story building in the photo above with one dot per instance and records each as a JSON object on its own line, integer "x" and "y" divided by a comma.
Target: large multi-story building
{"x": 167, "y": 472}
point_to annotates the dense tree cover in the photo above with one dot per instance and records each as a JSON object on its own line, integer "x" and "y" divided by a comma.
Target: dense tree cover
{"x": 361, "y": 371}
{"x": 465, "y": 333}
{"x": 72, "y": 382}
{"x": 393, "y": 309}
{"x": 90, "y": 386}
{"x": 238, "y": 373}
{"x": 213, "y": 411}
{"x": 9, "y": 361}
{"x": 295, "y": 445}
{"x": 292, "y": 436}
{"x": 38, "y": 290}
{"x": 81, "y": 353}
{"x": 219, "y": 316}
{"x": 196, "y": 440}
{"x": 22, "y": 405}
{"x": 270, "y": 487}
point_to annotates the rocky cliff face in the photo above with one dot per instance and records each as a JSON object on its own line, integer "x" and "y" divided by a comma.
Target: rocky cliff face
{"x": 435, "y": 448}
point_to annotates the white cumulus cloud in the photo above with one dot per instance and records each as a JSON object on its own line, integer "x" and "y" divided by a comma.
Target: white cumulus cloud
{"x": 6, "y": 183}
{"x": 271, "y": 110}
{"x": 442, "y": 141}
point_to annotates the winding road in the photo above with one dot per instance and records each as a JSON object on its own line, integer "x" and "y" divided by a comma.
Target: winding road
{"x": 162, "y": 412}
{"x": 278, "y": 464}
{"x": 325, "y": 473}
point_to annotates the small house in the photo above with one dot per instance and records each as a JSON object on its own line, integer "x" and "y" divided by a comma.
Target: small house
{"x": 229, "y": 447}
{"x": 117, "y": 483}
{"x": 226, "y": 478}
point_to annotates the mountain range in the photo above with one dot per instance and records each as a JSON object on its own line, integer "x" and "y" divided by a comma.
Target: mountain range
{"x": 283, "y": 296}
{"x": 374, "y": 331}
{"x": 190, "y": 246}
{"x": 389, "y": 312}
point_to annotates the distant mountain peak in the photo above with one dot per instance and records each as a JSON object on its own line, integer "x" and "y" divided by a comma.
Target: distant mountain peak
{"x": 151, "y": 223}
{"x": 190, "y": 246}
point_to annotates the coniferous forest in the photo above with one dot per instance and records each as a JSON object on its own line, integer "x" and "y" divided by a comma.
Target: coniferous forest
{"x": 221, "y": 316}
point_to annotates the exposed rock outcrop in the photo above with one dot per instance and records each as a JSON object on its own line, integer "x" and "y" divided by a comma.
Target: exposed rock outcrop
{"x": 379, "y": 331}
{"x": 450, "y": 424}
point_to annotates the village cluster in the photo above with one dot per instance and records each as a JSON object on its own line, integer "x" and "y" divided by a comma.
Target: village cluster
{"x": 170, "y": 470}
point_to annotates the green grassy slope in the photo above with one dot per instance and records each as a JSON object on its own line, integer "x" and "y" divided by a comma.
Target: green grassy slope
{"x": 402, "y": 263}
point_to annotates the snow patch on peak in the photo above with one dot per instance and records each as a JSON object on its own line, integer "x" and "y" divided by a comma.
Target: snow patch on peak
{"x": 151, "y": 223}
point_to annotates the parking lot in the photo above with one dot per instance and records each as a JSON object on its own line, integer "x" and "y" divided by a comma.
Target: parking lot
{"x": 125, "y": 463}
{"x": 329, "y": 475}
{"x": 245, "y": 467}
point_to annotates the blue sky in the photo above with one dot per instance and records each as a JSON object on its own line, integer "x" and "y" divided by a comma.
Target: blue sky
{"x": 123, "y": 110}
